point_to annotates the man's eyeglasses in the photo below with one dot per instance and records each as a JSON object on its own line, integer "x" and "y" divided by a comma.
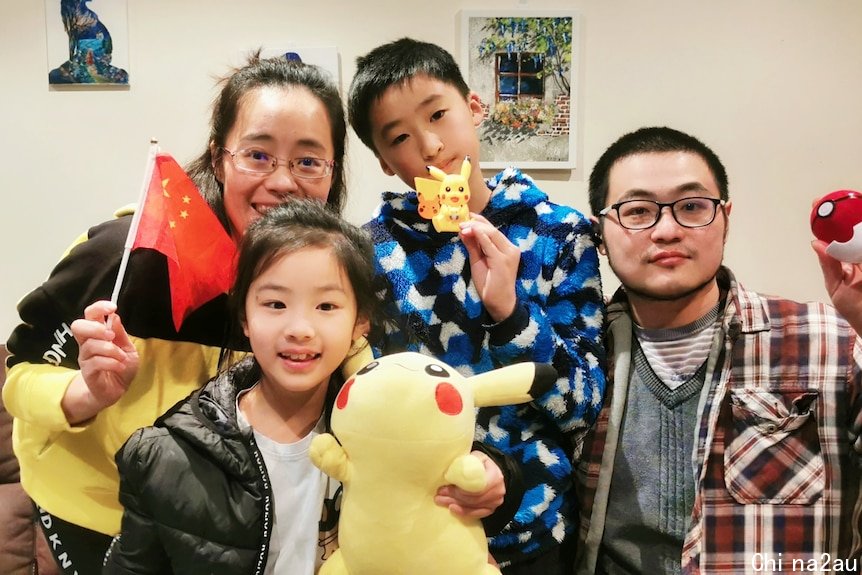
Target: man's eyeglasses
{"x": 254, "y": 161}
{"x": 644, "y": 214}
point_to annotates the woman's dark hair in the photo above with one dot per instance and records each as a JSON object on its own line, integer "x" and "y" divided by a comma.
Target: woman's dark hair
{"x": 259, "y": 73}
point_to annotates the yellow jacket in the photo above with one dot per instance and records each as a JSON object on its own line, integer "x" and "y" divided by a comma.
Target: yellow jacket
{"x": 70, "y": 470}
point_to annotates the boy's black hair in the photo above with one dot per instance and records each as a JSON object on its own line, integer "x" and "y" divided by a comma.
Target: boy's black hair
{"x": 646, "y": 141}
{"x": 394, "y": 64}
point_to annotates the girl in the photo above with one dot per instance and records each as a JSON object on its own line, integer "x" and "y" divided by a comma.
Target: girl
{"x": 222, "y": 483}
{"x": 277, "y": 131}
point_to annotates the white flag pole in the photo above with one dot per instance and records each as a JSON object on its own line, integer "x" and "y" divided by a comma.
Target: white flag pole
{"x": 136, "y": 219}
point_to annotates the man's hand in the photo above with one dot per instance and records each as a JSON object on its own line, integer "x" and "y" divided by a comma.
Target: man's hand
{"x": 843, "y": 283}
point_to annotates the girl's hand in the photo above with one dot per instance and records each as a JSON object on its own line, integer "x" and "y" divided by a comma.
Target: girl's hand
{"x": 843, "y": 283}
{"x": 494, "y": 262}
{"x": 480, "y": 504}
{"x": 107, "y": 359}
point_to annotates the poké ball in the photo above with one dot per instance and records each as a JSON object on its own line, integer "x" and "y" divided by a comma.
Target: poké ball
{"x": 837, "y": 220}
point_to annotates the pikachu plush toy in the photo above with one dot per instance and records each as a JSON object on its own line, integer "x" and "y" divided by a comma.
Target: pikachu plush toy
{"x": 403, "y": 426}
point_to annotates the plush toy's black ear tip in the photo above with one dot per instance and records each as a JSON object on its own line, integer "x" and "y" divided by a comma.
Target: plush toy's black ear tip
{"x": 543, "y": 379}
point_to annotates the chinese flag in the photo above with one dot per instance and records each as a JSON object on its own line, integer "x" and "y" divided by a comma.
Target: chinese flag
{"x": 177, "y": 221}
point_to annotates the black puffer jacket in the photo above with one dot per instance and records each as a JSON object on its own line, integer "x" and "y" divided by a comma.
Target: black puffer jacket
{"x": 195, "y": 490}
{"x": 196, "y": 493}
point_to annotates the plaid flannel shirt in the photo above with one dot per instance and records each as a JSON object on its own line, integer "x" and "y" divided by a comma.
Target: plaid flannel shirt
{"x": 777, "y": 477}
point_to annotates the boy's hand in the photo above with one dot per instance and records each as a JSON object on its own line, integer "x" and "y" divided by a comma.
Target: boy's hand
{"x": 494, "y": 264}
{"x": 475, "y": 504}
{"x": 107, "y": 359}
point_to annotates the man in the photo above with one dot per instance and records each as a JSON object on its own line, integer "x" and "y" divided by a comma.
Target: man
{"x": 726, "y": 441}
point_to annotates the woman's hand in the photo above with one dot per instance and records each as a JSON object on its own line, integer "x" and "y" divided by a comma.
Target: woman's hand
{"x": 107, "y": 359}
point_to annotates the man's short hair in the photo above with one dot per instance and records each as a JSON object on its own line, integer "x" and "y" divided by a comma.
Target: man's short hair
{"x": 646, "y": 141}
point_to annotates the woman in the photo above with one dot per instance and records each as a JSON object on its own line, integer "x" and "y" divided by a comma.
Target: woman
{"x": 277, "y": 131}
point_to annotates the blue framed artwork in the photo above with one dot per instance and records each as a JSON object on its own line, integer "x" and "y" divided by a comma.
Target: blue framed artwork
{"x": 87, "y": 42}
{"x": 324, "y": 56}
{"x": 524, "y": 66}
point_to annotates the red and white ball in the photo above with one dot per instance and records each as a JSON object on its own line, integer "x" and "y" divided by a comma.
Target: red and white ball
{"x": 837, "y": 220}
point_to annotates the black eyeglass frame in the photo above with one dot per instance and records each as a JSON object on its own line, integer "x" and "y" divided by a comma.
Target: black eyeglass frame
{"x": 716, "y": 202}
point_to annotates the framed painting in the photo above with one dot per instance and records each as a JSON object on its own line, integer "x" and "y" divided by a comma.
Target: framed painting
{"x": 324, "y": 56}
{"x": 524, "y": 66}
{"x": 88, "y": 42}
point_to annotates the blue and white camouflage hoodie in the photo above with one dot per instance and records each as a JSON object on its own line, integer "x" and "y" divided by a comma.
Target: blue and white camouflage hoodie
{"x": 558, "y": 320}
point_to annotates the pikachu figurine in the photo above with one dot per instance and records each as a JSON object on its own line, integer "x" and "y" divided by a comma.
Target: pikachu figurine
{"x": 443, "y": 200}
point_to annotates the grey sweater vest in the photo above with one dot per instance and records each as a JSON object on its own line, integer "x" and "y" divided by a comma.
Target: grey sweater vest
{"x": 652, "y": 491}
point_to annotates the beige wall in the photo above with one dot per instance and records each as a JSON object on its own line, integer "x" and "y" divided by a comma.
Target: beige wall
{"x": 774, "y": 86}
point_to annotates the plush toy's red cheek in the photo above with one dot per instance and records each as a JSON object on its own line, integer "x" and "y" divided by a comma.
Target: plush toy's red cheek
{"x": 341, "y": 400}
{"x": 448, "y": 399}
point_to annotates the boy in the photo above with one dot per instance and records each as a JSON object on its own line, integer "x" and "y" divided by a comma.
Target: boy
{"x": 519, "y": 282}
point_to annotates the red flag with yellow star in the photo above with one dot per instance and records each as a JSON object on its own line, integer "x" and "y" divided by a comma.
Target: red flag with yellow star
{"x": 176, "y": 221}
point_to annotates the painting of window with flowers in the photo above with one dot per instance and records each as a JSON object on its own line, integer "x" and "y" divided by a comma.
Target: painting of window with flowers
{"x": 523, "y": 66}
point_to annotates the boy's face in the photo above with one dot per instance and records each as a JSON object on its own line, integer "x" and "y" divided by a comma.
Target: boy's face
{"x": 425, "y": 122}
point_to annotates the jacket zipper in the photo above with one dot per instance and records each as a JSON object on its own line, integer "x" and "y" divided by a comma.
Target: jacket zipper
{"x": 267, "y": 506}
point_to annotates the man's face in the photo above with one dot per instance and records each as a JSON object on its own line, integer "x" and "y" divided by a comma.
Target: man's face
{"x": 666, "y": 261}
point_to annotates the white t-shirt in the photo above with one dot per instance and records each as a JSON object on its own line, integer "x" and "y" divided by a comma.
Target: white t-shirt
{"x": 298, "y": 489}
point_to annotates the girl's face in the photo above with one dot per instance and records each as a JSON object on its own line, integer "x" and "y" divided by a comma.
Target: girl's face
{"x": 284, "y": 123}
{"x": 301, "y": 325}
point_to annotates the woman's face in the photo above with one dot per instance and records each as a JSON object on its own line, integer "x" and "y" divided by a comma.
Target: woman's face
{"x": 284, "y": 123}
